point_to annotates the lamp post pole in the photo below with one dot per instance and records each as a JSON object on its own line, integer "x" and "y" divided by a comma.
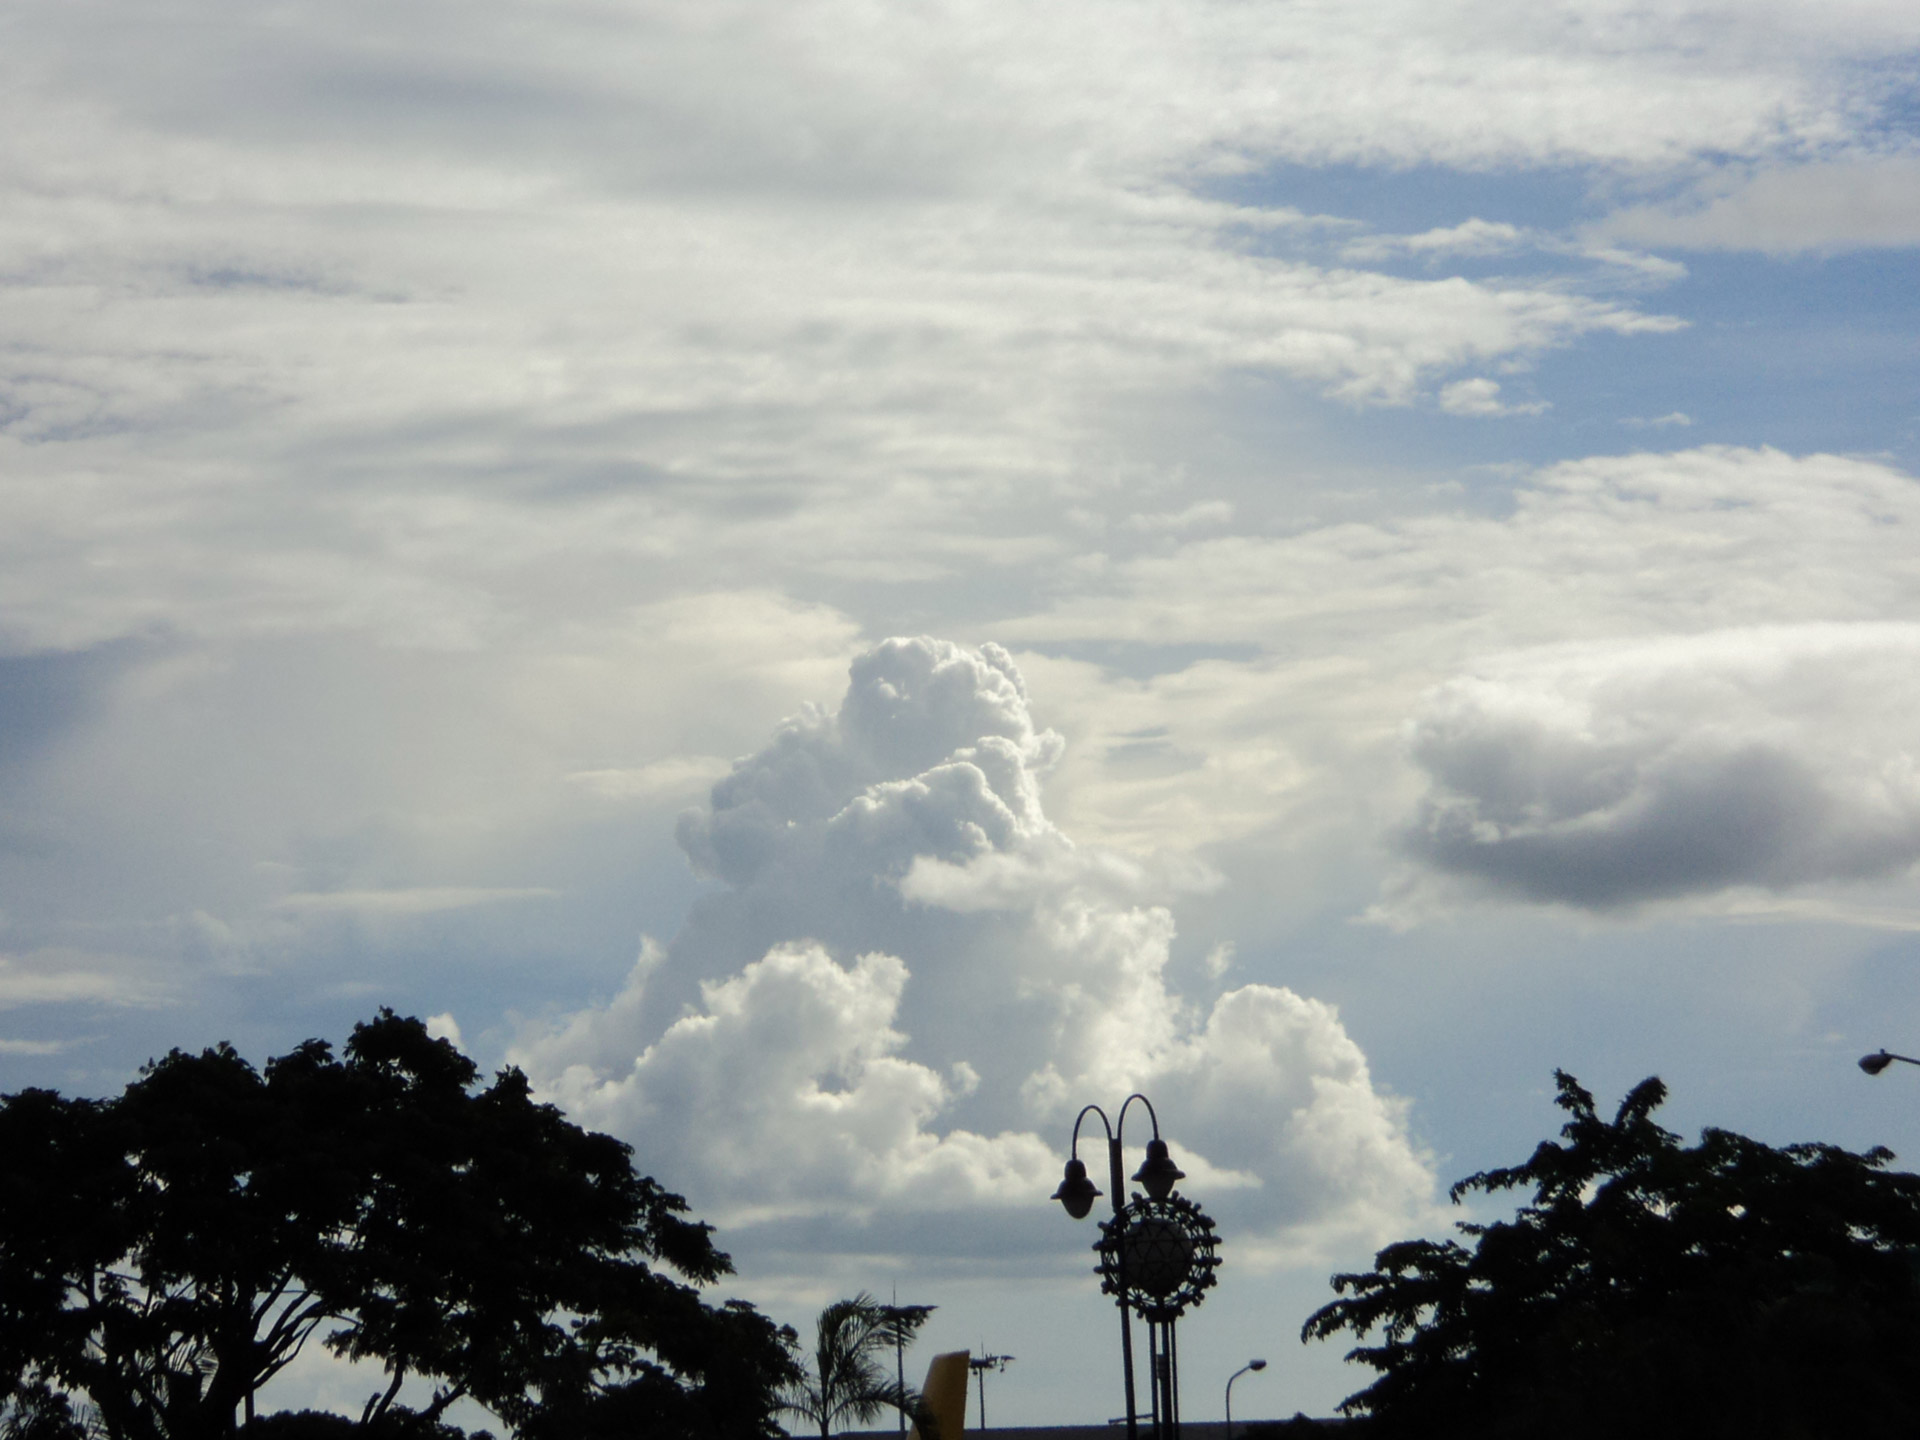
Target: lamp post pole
{"x": 1077, "y": 1194}
{"x": 1116, "y": 1187}
{"x": 1250, "y": 1365}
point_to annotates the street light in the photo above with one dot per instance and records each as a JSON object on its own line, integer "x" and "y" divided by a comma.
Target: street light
{"x": 1077, "y": 1194}
{"x": 1156, "y": 1255}
{"x": 1873, "y": 1064}
{"x": 1250, "y": 1365}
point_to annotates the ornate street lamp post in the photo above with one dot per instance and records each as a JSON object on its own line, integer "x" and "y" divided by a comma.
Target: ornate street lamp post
{"x": 1156, "y": 1257}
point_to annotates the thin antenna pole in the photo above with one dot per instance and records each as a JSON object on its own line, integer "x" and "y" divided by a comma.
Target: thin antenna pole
{"x": 900, "y": 1360}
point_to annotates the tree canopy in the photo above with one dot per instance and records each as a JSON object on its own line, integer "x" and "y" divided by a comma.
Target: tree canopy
{"x": 1650, "y": 1288}
{"x": 165, "y": 1253}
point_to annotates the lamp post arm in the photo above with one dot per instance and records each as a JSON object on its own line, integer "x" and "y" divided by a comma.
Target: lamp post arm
{"x": 1880, "y": 1059}
{"x": 1120, "y": 1125}
{"x": 1074, "y": 1148}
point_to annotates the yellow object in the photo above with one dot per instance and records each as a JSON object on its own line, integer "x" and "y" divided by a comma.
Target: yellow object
{"x": 944, "y": 1396}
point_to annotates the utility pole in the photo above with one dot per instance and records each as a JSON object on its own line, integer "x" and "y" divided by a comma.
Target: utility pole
{"x": 980, "y": 1365}
{"x": 900, "y": 1363}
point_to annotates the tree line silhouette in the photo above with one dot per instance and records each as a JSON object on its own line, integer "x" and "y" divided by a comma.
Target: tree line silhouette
{"x": 165, "y": 1253}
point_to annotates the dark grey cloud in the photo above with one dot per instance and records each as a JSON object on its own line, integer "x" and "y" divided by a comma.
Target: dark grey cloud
{"x": 1607, "y": 778}
{"x": 44, "y": 695}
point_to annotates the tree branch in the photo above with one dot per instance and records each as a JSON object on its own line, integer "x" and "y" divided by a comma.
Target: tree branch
{"x": 377, "y": 1403}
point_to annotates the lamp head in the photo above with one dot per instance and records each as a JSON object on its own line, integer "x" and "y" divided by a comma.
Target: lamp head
{"x": 1076, "y": 1191}
{"x": 1873, "y": 1064}
{"x": 1256, "y": 1364}
{"x": 1158, "y": 1174}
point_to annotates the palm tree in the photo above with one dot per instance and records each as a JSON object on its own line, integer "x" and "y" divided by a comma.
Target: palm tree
{"x": 848, "y": 1381}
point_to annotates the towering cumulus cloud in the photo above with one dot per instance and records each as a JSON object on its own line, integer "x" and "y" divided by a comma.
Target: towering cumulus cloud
{"x": 911, "y": 975}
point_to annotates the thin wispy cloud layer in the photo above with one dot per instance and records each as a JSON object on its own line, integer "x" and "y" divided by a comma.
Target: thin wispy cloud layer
{"x": 1825, "y": 205}
{"x": 407, "y": 267}
{"x": 1628, "y": 544}
{"x": 62, "y": 977}
{"x": 912, "y": 974}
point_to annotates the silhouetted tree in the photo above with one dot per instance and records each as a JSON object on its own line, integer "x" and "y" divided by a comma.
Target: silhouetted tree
{"x": 37, "y": 1411}
{"x": 849, "y": 1380}
{"x": 1300, "y": 1427}
{"x": 1652, "y": 1289}
{"x": 165, "y": 1253}
{"x": 399, "y": 1423}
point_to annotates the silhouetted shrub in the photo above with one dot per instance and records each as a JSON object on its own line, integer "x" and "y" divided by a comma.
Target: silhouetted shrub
{"x": 1301, "y": 1427}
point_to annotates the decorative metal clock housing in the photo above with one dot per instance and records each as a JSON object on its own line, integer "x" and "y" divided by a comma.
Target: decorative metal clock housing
{"x": 1167, "y": 1248}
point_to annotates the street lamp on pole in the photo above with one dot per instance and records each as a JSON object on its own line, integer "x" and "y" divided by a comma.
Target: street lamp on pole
{"x": 1077, "y": 1194}
{"x": 1250, "y": 1365}
{"x": 1156, "y": 1255}
{"x": 1880, "y": 1059}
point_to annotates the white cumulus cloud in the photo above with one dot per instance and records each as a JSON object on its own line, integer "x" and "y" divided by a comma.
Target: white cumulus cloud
{"x": 1481, "y": 397}
{"x": 913, "y": 979}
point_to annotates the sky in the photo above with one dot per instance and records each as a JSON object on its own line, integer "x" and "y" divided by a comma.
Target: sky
{"x": 838, "y": 581}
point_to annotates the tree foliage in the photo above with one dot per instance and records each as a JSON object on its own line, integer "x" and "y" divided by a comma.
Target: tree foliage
{"x": 854, "y": 1342}
{"x": 1650, "y": 1288}
{"x": 165, "y": 1253}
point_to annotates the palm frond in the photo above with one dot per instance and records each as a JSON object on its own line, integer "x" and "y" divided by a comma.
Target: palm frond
{"x": 847, "y": 1381}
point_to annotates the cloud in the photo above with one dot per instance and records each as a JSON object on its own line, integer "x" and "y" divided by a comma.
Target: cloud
{"x": 444, "y": 1027}
{"x": 913, "y": 977}
{"x": 33, "y": 1047}
{"x": 672, "y": 776}
{"x": 398, "y": 818}
{"x": 928, "y": 386}
{"x": 1828, "y": 206}
{"x": 1470, "y": 237}
{"x": 1475, "y": 238}
{"x": 422, "y": 900}
{"x": 497, "y": 426}
{"x": 785, "y": 1092}
{"x": 1201, "y": 515}
{"x": 1605, "y": 777}
{"x": 1481, "y": 397}
{"x": 668, "y": 298}
{"x": 1613, "y": 546}
{"x": 1287, "y": 763}
{"x": 57, "y": 975}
